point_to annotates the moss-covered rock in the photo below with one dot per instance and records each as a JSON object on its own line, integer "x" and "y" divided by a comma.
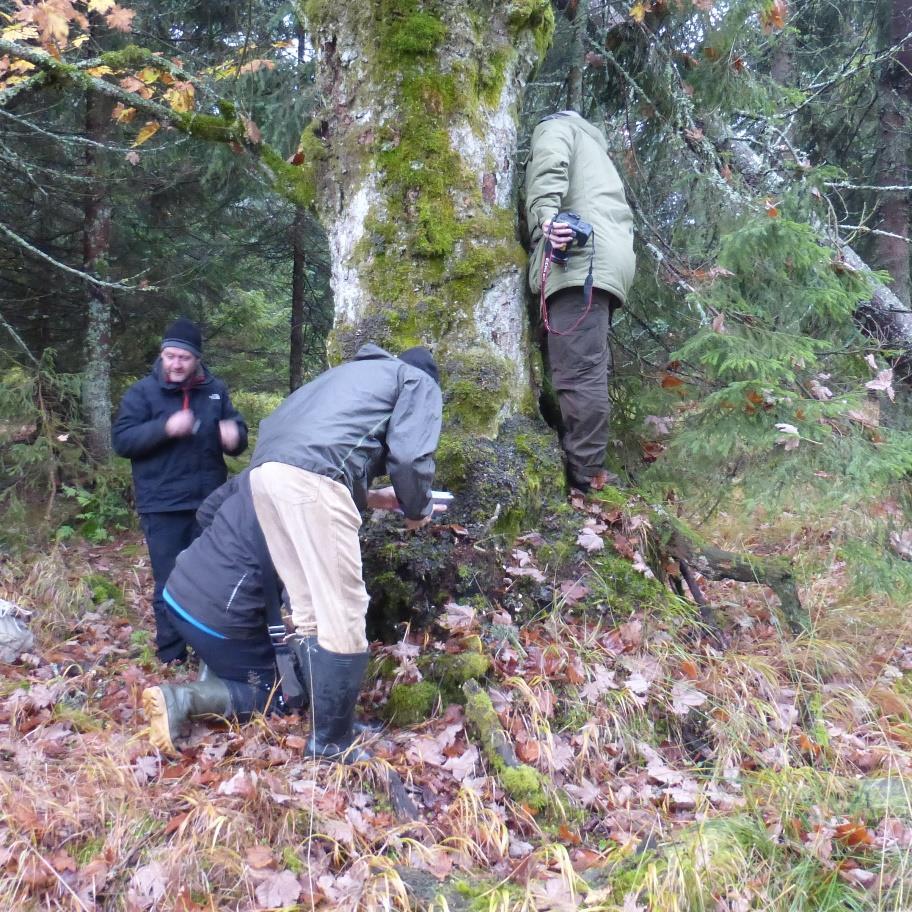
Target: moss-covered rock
{"x": 410, "y": 704}
{"x": 525, "y": 785}
{"x": 452, "y": 670}
{"x": 104, "y": 590}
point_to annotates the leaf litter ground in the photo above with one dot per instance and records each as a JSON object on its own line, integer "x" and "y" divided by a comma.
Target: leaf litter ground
{"x": 751, "y": 770}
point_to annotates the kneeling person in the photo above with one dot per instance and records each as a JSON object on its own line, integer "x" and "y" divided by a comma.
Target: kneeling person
{"x": 217, "y": 597}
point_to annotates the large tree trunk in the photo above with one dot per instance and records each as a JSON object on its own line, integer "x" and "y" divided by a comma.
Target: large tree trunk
{"x": 417, "y": 199}
{"x": 96, "y": 385}
{"x": 891, "y": 245}
{"x": 418, "y": 140}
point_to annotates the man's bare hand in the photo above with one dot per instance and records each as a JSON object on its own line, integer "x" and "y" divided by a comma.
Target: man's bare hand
{"x": 230, "y": 434}
{"x": 383, "y": 499}
{"x": 560, "y": 234}
{"x": 414, "y": 524}
{"x": 180, "y": 424}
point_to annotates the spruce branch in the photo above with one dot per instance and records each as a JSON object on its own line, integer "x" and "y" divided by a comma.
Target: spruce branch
{"x": 226, "y": 127}
{"x": 85, "y": 276}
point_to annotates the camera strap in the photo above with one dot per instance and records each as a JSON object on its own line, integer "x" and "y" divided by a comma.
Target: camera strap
{"x": 547, "y": 262}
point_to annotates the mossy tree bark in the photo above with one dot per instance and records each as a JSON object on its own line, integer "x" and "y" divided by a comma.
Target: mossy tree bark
{"x": 417, "y": 146}
{"x": 413, "y": 161}
{"x": 96, "y": 238}
{"x": 891, "y": 246}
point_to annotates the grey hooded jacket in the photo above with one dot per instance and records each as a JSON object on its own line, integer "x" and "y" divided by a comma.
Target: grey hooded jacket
{"x": 372, "y": 415}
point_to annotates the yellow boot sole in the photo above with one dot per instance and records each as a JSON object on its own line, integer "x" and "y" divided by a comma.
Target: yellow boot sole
{"x": 156, "y": 710}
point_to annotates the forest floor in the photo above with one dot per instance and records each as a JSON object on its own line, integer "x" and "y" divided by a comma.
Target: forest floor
{"x": 678, "y": 770}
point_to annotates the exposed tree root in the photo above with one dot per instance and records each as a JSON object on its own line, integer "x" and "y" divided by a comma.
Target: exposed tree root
{"x": 693, "y": 553}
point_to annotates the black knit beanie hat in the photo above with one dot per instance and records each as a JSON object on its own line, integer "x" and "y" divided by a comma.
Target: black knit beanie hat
{"x": 421, "y": 358}
{"x": 185, "y": 334}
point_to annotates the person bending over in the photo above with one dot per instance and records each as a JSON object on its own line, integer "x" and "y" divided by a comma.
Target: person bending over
{"x": 314, "y": 461}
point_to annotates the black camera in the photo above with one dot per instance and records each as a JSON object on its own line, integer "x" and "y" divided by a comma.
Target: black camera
{"x": 582, "y": 231}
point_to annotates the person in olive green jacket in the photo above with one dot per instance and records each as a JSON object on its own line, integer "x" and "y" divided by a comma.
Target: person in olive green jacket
{"x": 569, "y": 171}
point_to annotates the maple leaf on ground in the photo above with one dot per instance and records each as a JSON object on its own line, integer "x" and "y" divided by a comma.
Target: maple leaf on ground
{"x": 858, "y": 876}
{"x": 464, "y": 764}
{"x": 436, "y": 861}
{"x": 457, "y": 617}
{"x": 589, "y": 540}
{"x": 684, "y": 697}
{"x": 573, "y": 592}
{"x": 819, "y": 843}
{"x": 587, "y": 793}
{"x": 259, "y": 857}
{"x": 241, "y": 784}
{"x": 100, "y": 6}
{"x": 561, "y": 755}
{"x": 631, "y": 632}
{"x": 519, "y": 848}
{"x": 854, "y": 834}
{"x": 425, "y": 750}
{"x": 279, "y": 890}
{"x": 522, "y": 558}
{"x": 532, "y": 572}
{"x": 148, "y": 885}
{"x": 120, "y": 18}
{"x": 601, "y": 682}
{"x": 146, "y": 769}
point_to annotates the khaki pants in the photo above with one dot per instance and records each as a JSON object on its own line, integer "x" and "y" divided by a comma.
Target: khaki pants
{"x": 580, "y": 364}
{"x": 311, "y": 524}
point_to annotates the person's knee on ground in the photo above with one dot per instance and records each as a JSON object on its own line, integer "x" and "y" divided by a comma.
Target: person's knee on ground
{"x": 168, "y": 707}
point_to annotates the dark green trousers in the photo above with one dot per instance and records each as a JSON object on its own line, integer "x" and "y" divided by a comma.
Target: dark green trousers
{"x": 580, "y": 364}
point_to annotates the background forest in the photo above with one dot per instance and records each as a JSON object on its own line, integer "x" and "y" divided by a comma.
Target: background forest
{"x": 681, "y": 736}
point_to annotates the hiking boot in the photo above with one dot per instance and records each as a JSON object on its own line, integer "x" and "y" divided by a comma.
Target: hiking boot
{"x": 169, "y": 706}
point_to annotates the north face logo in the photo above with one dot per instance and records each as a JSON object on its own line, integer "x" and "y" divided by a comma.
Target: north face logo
{"x": 214, "y": 396}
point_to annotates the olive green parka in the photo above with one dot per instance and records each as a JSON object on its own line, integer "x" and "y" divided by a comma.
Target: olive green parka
{"x": 569, "y": 170}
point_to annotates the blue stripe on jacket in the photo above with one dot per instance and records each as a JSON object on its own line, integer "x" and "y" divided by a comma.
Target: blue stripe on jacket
{"x": 189, "y": 618}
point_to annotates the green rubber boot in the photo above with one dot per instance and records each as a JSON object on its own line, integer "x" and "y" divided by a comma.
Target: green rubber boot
{"x": 169, "y": 706}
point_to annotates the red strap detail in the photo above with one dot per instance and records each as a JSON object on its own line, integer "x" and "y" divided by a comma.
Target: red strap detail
{"x": 543, "y": 302}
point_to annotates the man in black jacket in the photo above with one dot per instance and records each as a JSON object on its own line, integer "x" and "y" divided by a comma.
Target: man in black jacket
{"x": 314, "y": 461}
{"x": 174, "y": 425}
